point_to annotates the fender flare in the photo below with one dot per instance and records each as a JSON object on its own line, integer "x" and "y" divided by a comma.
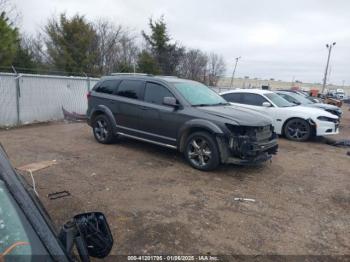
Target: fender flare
{"x": 102, "y": 109}
{"x": 196, "y": 123}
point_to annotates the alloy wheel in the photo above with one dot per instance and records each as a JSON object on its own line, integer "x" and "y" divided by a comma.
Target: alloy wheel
{"x": 199, "y": 152}
{"x": 101, "y": 130}
{"x": 298, "y": 130}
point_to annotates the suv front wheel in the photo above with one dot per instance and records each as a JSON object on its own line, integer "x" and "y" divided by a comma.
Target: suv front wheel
{"x": 102, "y": 129}
{"x": 202, "y": 152}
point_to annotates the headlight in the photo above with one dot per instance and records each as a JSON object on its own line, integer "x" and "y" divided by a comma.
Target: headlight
{"x": 328, "y": 119}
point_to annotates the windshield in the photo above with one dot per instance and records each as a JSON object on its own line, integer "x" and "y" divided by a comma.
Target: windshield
{"x": 17, "y": 237}
{"x": 198, "y": 94}
{"x": 278, "y": 101}
{"x": 301, "y": 99}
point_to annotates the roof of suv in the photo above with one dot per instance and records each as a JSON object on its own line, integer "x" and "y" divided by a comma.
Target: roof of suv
{"x": 253, "y": 91}
{"x": 170, "y": 79}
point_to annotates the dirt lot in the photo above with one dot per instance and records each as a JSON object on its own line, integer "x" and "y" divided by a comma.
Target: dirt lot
{"x": 157, "y": 204}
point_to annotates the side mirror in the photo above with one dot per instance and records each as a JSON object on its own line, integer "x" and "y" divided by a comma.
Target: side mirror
{"x": 170, "y": 101}
{"x": 94, "y": 228}
{"x": 266, "y": 104}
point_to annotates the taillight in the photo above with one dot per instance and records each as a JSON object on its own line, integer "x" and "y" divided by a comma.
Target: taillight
{"x": 88, "y": 95}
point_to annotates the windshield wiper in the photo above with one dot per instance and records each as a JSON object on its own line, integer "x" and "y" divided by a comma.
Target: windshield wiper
{"x": 223, "y": 104}
{"x": 200, "y": 105}
{"x": 291, "y": 105}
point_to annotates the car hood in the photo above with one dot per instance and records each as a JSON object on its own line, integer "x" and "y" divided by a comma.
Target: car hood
{"x": 240, "y": 115}
{"x": 309, "y": 111}
{"x": 325, "y": 106}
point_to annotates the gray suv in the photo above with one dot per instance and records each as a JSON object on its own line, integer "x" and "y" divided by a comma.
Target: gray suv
{"x": 179, "y": 114}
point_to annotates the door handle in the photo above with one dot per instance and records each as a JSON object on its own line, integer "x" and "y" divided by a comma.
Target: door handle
{"x": 111, "y": 102}
{"x": 143, "y": 108}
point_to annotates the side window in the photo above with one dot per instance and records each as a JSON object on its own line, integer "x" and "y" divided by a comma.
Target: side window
{"x": 131, "y": 89}
{"x": 154, "y": 93}
{"x": 233, "y": 97}
{"x": 106, "y": 87}
{"x": 253, "y": 99}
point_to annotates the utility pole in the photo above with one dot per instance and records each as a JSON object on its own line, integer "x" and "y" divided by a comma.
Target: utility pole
{"x": 234, "y": 71}
{"x": 329, "y": 47}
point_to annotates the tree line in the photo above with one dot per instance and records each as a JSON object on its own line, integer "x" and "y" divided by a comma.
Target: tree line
{"x": 76, "y": 45}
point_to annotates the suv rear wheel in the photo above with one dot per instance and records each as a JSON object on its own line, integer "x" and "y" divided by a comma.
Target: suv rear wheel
{"x": 202, "y": 152}
{"x": 102, "y": 129}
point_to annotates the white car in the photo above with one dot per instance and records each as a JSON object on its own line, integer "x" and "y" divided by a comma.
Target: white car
{"x": 296, "y": 122}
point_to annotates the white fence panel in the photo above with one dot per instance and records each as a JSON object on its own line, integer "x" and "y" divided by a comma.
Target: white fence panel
{"x": 41, "y": 98}
{"x": 8, "y": 108}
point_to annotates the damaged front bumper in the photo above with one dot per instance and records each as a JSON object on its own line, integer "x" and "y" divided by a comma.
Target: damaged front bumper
{"x": 242, "y": 150}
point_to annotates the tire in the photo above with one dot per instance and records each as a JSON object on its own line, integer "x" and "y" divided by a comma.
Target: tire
{"x": 201, "y": 151}
{"x": 297, "y": 130}
{"x": 102, "y": 129}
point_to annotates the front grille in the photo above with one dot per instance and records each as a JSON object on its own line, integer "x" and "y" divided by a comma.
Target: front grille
{"x": 256, "y": 134}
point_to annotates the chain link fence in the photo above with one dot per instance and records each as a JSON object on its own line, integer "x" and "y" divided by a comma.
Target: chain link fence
{"x": 29, "y": 98}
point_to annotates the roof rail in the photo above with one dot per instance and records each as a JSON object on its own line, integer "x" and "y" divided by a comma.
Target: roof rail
{"x": 131, "y": 74}
{"x": 167, "y": 76}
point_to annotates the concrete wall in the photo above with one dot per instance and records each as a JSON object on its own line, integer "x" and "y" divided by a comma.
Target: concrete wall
{"x": 257, "y": 83}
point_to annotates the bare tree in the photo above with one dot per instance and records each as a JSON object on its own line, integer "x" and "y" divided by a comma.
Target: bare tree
{"x": 128, "y": 52}
{"x": 108, "y": 35}
{"x": 9, "y": 8}
{"x": 36, "y": 47}
{"x": 115, "y": 47}
{"x": 216, "y": 68}
{"x": 193, "y": 65}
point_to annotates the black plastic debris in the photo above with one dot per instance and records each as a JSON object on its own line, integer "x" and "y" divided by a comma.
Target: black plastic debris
{"x": 342, "y": 143}
{"x": 338, "y": 143}
{"x": 56, "y": 195}
{"x": 73, "y": 116}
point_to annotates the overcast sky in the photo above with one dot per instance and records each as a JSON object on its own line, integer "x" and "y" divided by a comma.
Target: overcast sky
{"x": 276, "y": 39}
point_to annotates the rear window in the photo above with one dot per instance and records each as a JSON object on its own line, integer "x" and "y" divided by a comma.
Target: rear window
{"x": 107, "y": 87}
{"x": 131, "y": 89}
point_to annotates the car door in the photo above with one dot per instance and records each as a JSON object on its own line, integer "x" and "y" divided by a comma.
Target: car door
{"x": 127, "y": 104}
{"x": 158, "y": 122}
{"x": 247, "y": 100}
{"x": 233, "y": 97}
{"x": 255, "y": 102}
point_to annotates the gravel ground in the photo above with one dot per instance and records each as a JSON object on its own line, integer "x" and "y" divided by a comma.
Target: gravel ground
{"x": 157, "y": 204}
